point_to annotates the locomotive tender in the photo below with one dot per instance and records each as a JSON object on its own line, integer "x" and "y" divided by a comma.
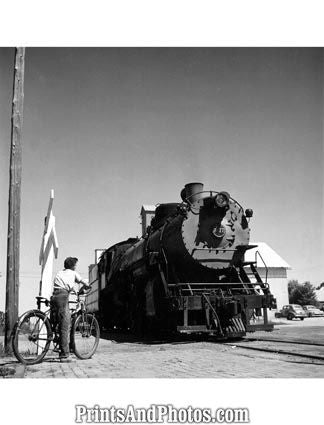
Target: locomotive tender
{"x": 186, "y": 274}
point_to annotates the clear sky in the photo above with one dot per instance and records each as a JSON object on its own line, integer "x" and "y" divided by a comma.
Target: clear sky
{"x": 110, "y": 129}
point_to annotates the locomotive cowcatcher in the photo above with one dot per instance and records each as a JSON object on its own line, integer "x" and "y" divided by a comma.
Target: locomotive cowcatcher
{"x": 187, "y": 273}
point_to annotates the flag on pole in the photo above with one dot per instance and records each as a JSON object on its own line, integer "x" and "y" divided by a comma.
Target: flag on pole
{"x": 48, "y": 251}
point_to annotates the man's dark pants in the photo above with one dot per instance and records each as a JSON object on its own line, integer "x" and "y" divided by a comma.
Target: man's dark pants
{"x": 61, "y": 315}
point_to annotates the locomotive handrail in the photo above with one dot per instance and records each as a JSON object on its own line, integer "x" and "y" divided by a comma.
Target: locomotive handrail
{"x": 211, "y": 194}
{"x": 215, "y": 314}
{"x": 212, "y": 249}
{"x": 257, "y": 253}
{"x": 246, "y": 247}
{"x": 212, "y": 284}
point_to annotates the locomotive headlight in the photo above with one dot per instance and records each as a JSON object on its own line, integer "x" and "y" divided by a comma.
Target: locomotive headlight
{"x": 222, "y": 199}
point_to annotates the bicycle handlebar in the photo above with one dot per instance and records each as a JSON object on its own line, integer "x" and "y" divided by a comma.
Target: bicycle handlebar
{"x": 83, "y": 291}
{"x": 46, "y": 301}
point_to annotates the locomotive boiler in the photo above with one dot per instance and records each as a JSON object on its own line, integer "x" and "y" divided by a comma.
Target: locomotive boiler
{"x": 187, "y": 273}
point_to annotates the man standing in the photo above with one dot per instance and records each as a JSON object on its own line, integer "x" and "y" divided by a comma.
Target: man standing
{"x": 64, "y": 283}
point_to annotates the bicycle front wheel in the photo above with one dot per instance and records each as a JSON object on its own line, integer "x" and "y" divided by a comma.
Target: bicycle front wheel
{"x": 85, "y": 336}
{"x": 31, "y": 337}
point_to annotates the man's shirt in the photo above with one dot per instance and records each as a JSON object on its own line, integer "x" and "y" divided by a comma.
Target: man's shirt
{"x": 66, "y": 279}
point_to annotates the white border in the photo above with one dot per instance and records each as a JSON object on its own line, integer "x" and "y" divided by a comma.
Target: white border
{"x": 162, "y": 23}
{"x": 270, "y": 402}
{"x": 167, "y": 23}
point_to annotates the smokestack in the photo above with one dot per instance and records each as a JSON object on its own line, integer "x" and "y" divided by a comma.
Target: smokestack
{"x": 191, "y": 192}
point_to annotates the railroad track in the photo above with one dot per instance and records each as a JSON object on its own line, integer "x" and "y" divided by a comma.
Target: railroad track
{"x": 253, "y": 344}
{"x": 272, "y": 348}
{"x": 316, "y": 344}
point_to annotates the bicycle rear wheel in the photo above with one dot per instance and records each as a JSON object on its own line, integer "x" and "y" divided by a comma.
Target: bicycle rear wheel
{"x": 32, "y": 337}
{"x": 85, "y": 335}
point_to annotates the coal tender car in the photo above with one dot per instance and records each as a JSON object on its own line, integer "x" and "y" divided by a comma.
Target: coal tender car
{"x": 186, "y": 274}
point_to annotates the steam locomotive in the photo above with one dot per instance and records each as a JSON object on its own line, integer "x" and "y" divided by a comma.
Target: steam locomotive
{"x": 187, "y": 273}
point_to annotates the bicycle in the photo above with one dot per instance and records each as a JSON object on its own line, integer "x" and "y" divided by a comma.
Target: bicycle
{"x": 35, "y": 331}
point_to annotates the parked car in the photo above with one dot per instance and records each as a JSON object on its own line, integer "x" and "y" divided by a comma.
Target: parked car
{"x": 313, "y": 311}
{"x": 292, "y": 311}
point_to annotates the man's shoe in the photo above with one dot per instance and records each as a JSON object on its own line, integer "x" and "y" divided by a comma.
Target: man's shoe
{"x": 64, "y": 357}
{"x": 65, "y": 360}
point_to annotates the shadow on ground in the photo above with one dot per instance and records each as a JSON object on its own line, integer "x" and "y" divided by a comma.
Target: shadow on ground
{"x": 174, "y": 339}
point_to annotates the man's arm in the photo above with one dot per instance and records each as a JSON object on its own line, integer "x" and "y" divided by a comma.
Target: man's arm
{"x": 83, "y": 282}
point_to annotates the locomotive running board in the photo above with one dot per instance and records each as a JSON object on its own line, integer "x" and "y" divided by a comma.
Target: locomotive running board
{"x": 193, "y": 328}
{"x": 203, "y": 329}
{"x": 249, "y": 328}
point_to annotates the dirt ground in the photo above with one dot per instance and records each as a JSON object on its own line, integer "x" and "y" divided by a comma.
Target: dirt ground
{"x": 126, "y": 357}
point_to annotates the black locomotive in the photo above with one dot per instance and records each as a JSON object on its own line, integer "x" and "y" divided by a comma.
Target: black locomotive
{"x": 187, "y": 272}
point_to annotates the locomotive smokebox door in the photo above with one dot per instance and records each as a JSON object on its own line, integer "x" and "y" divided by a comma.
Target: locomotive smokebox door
{"x": 215, "y": 228}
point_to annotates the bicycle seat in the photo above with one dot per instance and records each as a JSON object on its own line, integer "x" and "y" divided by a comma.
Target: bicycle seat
{"x": 43, "y": 300}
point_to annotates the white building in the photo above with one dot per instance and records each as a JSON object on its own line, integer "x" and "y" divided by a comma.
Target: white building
{"x": 320, "y": 296}
{"x": 276, "y": 270}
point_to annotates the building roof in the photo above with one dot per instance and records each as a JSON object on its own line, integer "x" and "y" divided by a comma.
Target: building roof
{"x": 148, "y": 208}
{"x": 270, "y": 257}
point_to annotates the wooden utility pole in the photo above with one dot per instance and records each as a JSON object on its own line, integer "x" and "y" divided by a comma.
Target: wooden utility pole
{"x": 13, "y": 246}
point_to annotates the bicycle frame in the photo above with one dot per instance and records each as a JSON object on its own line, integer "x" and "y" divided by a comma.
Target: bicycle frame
{"x": 79, "y": 309}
